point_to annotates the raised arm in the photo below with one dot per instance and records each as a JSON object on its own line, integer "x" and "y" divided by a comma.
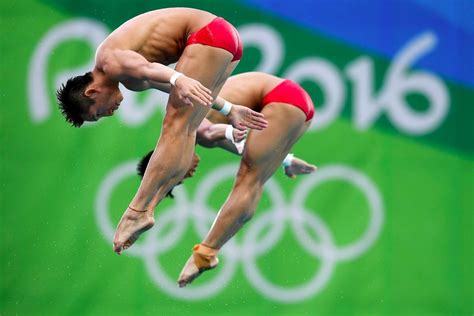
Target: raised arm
{"x": 127, "y": 65}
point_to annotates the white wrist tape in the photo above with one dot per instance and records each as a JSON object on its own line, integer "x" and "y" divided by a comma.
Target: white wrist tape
{"x": 229, "y": 133}
{"x": 226, "y": 108}
{"x": 240, "y": 146}
{"x": 288, "y": 160}
{"x": 175, "y": 77}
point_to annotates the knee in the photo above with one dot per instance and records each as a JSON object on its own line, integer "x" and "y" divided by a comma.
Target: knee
{"x": 250, "y": 176}
{"x": 174, "y": 125}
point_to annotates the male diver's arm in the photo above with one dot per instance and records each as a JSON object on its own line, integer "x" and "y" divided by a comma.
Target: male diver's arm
{"x": 165, "y": 87}
{"x": 149, "y": 84}
{"x": 142, "y": 85}
{"x": 219, "y": 135}
{"x": 241, "y": 117}
{"x": 127, "y": 64}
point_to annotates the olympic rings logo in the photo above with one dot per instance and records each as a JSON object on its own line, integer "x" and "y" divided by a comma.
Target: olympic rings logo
{"x": 282, "y": 213}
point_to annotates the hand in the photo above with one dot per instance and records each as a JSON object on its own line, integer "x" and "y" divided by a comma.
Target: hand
{"x": 298, "y": 167}
{"x": 190, "y": 90}
{"x": 239, "y": 135}
{"x": 242, "y": 118}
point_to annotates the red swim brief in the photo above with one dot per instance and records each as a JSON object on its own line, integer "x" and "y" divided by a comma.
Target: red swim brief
{"x": 219, "y": 33}
{"x": 291, "y": 93}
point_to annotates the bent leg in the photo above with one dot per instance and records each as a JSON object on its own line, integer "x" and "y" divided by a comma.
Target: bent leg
{"x": 263, "y": 154}
{"x": 174, "y": 151}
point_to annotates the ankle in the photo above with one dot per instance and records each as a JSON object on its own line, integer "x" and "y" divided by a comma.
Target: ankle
{"x": 205, "y": 250}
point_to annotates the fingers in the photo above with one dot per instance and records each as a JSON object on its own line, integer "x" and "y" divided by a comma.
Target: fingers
{"x": 207, "y": 93}
{"x": 195, "y": 91}
{"x": 193, "y": 96}
{"x": 206, "y": 90}
{"x": 248, "y": 123}
{"x": 200, "y": 93}
{"x": 239, "y": 135}
{"x": 259, "y": 120}
{"x": 255, "y": 120}
{"x": 258, "y": 125}
{"x": 289, "y": 174}
{"x": 202, "y": 96}
{"x": 187, "y": 101}
{"x": 310, "y": 169}
{"x": 241, "y": 127}
{"x": 258, "y": 114}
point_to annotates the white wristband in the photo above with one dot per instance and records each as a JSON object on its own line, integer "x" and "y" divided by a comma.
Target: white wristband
{"x": 229, "y": 133}
{"x": 175, "y": 77}
{"x": 226, "y": 108}
{"x": 288, "y": 160}
{"x": 240, "y": 146}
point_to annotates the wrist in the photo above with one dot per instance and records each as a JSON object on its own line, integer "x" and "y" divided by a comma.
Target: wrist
{"x": 226, "y": 108}
{"x": 175, "y": 77}
{"x": 229, "y": 133}
{"x": 288, "y": 160}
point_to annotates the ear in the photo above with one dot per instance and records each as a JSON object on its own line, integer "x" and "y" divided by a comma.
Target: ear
{"x": 89, "y": 92}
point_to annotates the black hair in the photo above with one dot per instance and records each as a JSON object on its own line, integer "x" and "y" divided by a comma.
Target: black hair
{"x": 72, "y": 100}
{"x": 141, "y": 167}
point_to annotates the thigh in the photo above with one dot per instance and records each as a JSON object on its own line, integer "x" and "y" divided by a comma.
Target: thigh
{"x": 206, "y": 64}
{"x": 226, "y": 74}
{"x": 266, "y": 149}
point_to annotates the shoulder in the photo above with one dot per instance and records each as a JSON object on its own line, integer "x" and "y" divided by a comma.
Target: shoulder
{"x": 106, "y": 60}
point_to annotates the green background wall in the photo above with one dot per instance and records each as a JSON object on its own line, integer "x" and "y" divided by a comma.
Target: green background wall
{"x": 384, "y": 227}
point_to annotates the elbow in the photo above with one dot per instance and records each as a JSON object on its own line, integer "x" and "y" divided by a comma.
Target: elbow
{"x": 206, "y": 142}
{"x": 204, "y": 138}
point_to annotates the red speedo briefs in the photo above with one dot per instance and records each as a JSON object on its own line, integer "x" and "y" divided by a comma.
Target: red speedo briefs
{"x": 291, "y": 93}
{"x": 219, "y": 33}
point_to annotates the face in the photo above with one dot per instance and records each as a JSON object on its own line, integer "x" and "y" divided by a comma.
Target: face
{"x": 107, "y": 101}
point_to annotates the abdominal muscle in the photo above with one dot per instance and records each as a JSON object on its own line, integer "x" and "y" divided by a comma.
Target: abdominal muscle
{"x": 160, "y": 35}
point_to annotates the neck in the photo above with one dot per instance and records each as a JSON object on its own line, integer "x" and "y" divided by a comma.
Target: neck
{"x": 101, "y": 79}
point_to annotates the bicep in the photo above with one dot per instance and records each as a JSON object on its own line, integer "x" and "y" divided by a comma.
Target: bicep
{"x": 136, "y": 66}
{"x": 129, "y": 65}
{"x": 126, "y": 64}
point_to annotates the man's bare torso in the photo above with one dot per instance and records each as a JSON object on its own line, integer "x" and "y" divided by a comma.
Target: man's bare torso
{"x": 159, "y": 36}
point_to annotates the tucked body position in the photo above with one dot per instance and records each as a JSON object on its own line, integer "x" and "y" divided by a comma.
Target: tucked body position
{"x": 206, "y": 49}
{"x": 289, "y": 111}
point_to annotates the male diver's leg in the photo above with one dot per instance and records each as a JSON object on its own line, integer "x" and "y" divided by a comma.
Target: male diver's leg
{"x": 174, "y": 151}
{"x": 191, "y": 142}
{"x": 263, "y": 154}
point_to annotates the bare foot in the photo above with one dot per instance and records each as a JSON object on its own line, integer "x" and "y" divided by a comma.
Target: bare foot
{"x": 298, "y": 167}
{"x": 131, "y": 226}
{"x": 191, "y": 271}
